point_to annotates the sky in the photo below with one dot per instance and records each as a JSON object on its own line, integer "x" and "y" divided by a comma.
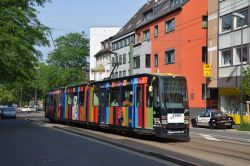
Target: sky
{"x": 65, "y": 16}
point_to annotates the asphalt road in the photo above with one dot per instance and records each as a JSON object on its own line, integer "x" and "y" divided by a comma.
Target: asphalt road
{"x": 23, "y": 143}
{"x": 207, "y": 146}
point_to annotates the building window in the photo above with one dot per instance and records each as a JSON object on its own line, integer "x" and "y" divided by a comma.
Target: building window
{"x": 238, "y": 20}
{"x": 156, "y": 31}
{"x": 170, "y": 25}
{"x": 138, "y": 38}
{"x": 116, "y": 74}
{"x": 174, "y": 3}
{"x": 137, "y": 62}
{"x": 124, "y": 73}
{"x": 124, "y": 58}
{"x": 169, "y": 56}
{"x": 156, "y": 60}
{"x": 113, "y": 47}
{"x": 120, "y": 59}
{"x": 113, "y": 61}
{"x": 129, "y": 57}
{"x": 204, "y": 54}
{"x": 118, "y": 45}
{"x": 146, "y": 35}
{"x": 116, "y": 59}
{"x": 226, "y": 22}
{"x": 120, "y": 74}
{"x": 148, "y": 15}
{"x": 148, "y": 60}
{"x": 226, "y": 57}
{"x": 128, "y": 72}
{"x": 204, "y": 22}
{"x": 237, "y": 59}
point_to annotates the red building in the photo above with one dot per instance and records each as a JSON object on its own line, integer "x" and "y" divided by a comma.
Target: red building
{"x": 178, "y": 36}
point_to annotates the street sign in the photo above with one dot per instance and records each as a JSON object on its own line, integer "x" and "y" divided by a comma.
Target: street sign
{"x": 207, "y": 70}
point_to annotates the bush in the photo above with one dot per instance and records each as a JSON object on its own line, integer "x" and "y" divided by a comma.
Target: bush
{"x": 244, "y": 127}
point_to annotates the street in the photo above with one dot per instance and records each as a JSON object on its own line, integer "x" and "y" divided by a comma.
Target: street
{"x": 207, "y": 147}
{"x": 24, "y": 143}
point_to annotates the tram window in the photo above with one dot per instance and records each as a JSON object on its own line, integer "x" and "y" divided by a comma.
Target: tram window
{"x": 48, "y": 100}
{"x": 114, "y": 97}
{"x": 150, "y": 100}
{"x": 59, "y": 97}
{"x": 95, "y": 99}
{"x": 156, "y": 94}
{"x": 81, "y": 98}
{"x": 70, "y": 99}
{"x": 138, "y": 96}
{"x": 127, "y": 96}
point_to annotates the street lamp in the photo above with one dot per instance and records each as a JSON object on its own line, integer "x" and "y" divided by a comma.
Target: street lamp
{"x": 240, "y": 16}
{"x": 35, "y": 102}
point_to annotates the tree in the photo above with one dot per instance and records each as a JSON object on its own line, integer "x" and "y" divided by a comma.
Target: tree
{"x": 20, "y": 32}
{"x": 245, "y": 82}
{"x": 67, "y": 63}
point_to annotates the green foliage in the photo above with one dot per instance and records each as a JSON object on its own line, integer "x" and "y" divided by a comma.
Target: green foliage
{"x": 20, "y": 32}
{"x": 244, "y": 127}
{"x": 67, "y": 63}
{"x": 245, "y": 82}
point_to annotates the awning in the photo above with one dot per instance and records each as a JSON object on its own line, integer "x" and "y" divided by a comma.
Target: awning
{"x": 98, "y": 68}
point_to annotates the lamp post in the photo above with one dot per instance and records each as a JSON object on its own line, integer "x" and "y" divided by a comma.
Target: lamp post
{"x": 35, "y": 102}
{"x": 240, "y": 16}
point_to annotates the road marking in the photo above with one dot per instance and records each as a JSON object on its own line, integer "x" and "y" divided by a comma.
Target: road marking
{"x": 226, "y": 137}
{"x": 209, "y": 137}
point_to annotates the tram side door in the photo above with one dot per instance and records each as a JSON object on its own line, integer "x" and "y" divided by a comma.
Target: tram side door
{"x": 138, "y": 107}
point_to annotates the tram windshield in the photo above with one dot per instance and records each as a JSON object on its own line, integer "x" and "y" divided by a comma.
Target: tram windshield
{"x": 174, "y": 92}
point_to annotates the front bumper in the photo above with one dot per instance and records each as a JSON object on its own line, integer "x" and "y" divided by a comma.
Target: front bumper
{"x": 174, "y": 133}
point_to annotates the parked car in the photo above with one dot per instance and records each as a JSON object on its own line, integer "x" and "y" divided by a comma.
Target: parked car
{"x": 212, "y": 119}
{"x": 25, "y": 109}
{"x": 7, "y": 112}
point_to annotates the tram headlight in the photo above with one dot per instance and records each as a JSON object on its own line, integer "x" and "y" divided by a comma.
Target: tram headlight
{"x": 165, "y": 121}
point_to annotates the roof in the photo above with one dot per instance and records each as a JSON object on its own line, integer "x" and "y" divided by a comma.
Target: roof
{"x": 162, "y": 10}
{"x": 104, "y": 51}
{"x": 131, "y": 25}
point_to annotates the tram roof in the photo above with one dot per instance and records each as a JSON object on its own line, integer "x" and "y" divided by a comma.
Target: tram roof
{"x": 122, "y": 78}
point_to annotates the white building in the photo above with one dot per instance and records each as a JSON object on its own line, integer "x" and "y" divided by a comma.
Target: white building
{"x": 229, "y": 61}
{"x": 97, "y": 35}
{"x": 103, "y": 61}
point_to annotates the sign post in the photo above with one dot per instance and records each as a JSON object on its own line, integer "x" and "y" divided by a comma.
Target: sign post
{"x": 207, "y": 74}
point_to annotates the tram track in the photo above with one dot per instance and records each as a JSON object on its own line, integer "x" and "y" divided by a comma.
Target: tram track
{"x": 215, "y": 149}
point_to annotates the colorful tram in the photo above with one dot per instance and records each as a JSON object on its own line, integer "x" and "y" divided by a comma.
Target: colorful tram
{"x": 155, "y": 104}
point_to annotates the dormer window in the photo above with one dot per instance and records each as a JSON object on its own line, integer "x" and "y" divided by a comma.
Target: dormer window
{"x": 148, "y": 15}
{"x": 175, "y": 3}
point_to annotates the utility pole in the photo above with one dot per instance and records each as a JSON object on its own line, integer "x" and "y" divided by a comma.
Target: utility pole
{"x": 241, "y": 68}
{"x": 242, "y": 17}
{"x": 131, "y": 58}
{"x": 21, "y": 95}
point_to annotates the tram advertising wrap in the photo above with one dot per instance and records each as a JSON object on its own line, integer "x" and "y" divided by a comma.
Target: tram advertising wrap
{"x": 154, "y": 104}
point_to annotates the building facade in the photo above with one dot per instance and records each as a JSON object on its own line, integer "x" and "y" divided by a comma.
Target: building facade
{"x": 212, "y": 54}
{"x": 229, "y": 51}
{"x": 97, "y": 35}
{"x": 103, "y": 61}
{"x": 178, "y": 37}
{"x": 132, "y": 55}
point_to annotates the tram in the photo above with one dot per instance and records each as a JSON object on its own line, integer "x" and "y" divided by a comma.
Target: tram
{"x": 155, "y": 104}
